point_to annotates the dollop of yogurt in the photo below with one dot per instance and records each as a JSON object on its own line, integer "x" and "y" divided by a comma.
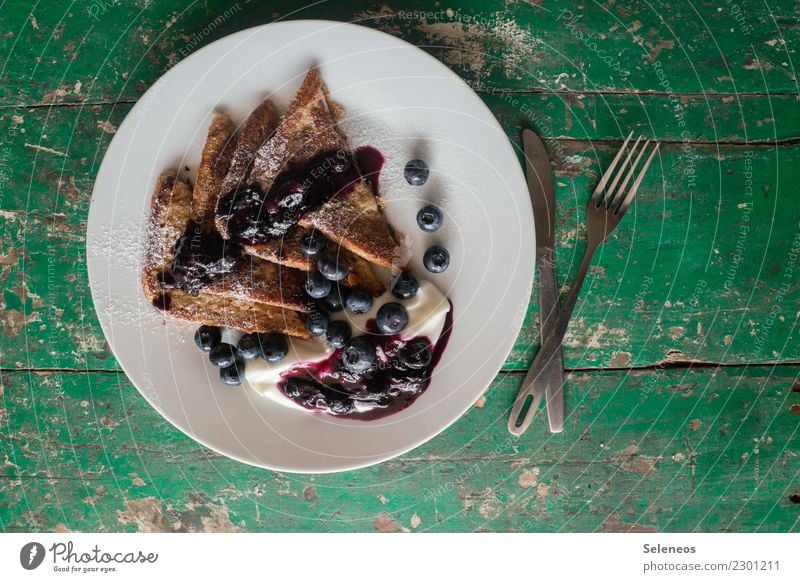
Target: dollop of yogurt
{"x": 427, "y": 313}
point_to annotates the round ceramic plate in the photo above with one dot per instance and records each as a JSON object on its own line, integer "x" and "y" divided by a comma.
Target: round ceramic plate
{"x": 395, "y": 98}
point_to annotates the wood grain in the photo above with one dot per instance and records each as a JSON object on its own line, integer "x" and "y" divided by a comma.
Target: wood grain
{"x": 674, "y": 450}
{"x": 702, "y": 272}
{"x": 517, "y": 45}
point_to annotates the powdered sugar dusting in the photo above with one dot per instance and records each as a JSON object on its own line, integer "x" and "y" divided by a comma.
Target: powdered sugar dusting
{"x": 122, "y": 246}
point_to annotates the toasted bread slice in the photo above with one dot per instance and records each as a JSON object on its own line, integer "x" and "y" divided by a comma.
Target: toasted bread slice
{"x": 306, "y": 129}
{"x": 171, "y": 213}
{"x": 283, "y": 251}
{"x": 360, "y": 275}
{"x": 214, "y": 164}
{"x": 260, "y": 281}
{"x": 286, "y": 251}
{"x": 246, "y": 316}
{"x": 258, "y": 127}
{"x": 356, "y": 222}
{"x": 354, "y": 218}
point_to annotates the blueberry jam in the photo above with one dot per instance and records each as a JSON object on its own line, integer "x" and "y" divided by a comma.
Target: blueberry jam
{"x": 370, "y": 163}
{"x": 401, "y": 372}
{"x": 200, "y": 256}
{"x": 256, "y": 217}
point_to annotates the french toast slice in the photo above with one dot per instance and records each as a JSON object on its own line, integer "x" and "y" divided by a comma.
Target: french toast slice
{"x": 353, "y": 218}
{"x": 356, "y": 222}
{"x": 214, "y": 164}
{"x": 283, "y": 251}
{"x": 171, "y": 215}
{"x": 306, "y": 129}
{"x": 257, "y": 280}
{"x": 360, "y": 274}
{"x": 258, "y": 127}
{"x": 170, "y": 212}
{"x": 286, "y": 251}
{"x": 246, "y": 316}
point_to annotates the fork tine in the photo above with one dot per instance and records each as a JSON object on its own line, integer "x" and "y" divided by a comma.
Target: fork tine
{"x": 625, "y": 203}
{"x": 598, "y": 191}
{"x": 612, "y": 189}
{"x": 620, "y": 193}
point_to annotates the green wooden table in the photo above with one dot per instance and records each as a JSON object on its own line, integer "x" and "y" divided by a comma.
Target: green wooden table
{"x": 683, "y": 359}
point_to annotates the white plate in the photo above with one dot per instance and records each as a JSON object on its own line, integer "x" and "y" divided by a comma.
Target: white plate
{"x": 396, "y": 98}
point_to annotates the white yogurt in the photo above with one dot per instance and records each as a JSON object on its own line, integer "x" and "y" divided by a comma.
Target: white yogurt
{"x": 427, "y": 312}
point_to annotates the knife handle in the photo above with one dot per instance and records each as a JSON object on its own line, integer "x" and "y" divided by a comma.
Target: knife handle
{"x": 552, "y": 376}
{"x": 526, "y": 406}
{"x": 521, "y": 416}
{"x": 546, "y": 371}
{"x": 529, "y": 397}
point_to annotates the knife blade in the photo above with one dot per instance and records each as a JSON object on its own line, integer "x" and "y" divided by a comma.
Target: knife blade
{"x": 542, "y": 192}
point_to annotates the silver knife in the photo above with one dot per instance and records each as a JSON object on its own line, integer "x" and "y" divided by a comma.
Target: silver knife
{"x": 541, "y": 188}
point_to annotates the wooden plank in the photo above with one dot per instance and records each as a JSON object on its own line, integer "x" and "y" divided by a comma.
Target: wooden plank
{"x": 106, "y": 52}
{"x": 668, "y": 450}
{"x": 747, "y": 119}
{"x": 50, "y": 154}
{"x": 704, "y": 261}
{"x": 49, "y": 157}
{"x": 47, "y": 315}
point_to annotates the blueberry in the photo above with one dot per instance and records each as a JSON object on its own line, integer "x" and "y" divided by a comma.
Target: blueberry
{"x": 317, "y": 322}
{"x": 341, "y": 405}
{"x": 330, "y": 268}
{"x": 416, "y": 172}
{"x": 358, "y": 302}
{"x": 430, "y": 218}
{"x": 317, "y": 286}
{"x": 222, "y": 355}
{"x": 249, "y": 347}
{"x": 334, "y": 302}
{"x": 358, "y": 354}
{"x": 232, "y": 375}
{"x": 436, "y": 259}
{"x": 391, "y": 318}
{"x": 312, "y": 244}
{"x": 207, "y": 336}
{"x": 416, "y": 354}
{"x": 338, "y": 333}
{"x": 405, "y": 286}
{"x": 273, "y": 347}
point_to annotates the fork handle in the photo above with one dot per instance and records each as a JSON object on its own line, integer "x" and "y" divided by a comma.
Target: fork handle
{"x": 518, "y": 423}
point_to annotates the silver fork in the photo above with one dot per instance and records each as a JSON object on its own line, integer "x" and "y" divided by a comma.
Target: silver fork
{"x": 606, "y": 208}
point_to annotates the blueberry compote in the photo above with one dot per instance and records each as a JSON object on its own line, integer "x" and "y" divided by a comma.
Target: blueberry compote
{"x": 200, "y": 256}
{"x": 255, "y": 216}
{"x": 396, "y": 380}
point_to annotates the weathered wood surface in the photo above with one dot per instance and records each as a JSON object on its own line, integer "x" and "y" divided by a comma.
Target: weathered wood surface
{"x": 668, "y": 450}
{"x": 115, "y": 50}
{"x": 704, "y": 269}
